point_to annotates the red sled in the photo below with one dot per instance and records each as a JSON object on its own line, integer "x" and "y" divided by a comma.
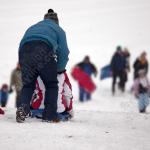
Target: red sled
{"x": 83, "y": 79}
{"x": 2, "y": 112}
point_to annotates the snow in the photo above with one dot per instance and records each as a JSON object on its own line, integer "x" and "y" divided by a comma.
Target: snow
{"x": 90, "y": 129}
{"x": 93, "y": 27}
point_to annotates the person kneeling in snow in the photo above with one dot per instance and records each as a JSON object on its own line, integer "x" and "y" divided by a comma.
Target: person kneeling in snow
{"x": 64, "y": 102}
{"x": 141, "y": 90}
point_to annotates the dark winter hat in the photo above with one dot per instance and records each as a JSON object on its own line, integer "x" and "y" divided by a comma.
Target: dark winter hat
{"x": 51, "y": 15}
{"x": 119, "y": 48}
{"x": 86, "y": 59}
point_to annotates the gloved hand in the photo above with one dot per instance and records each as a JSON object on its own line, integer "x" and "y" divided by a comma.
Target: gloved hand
{"x": 60, "y": 72}
{"x": 10, "y": 91}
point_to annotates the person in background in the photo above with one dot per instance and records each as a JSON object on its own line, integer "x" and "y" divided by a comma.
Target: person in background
{"x": 118, "y": 67}
{"x": 126, "y": 54}
{"x": 16, "y": 84}
{"x": 89, "y": 68}
{"x": 4, "y": 95}
{"x": 140, "y": 63}
{"x": 141, "y": 89}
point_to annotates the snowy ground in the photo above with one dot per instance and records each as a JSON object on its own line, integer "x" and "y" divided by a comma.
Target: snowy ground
{"x": 104, "y": 123}
{"x": 95, "y": 28}
{"x": 120, "y": 128}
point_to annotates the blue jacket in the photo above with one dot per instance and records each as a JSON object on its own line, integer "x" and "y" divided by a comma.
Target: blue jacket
{"x": 118, "y": 62}
{"x": 51, "y": 33}
{"x": 88, "y": 68}
{"x": 3, "y": 96}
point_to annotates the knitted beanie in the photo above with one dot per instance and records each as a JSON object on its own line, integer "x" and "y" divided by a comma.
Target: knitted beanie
{"x": 51, "y": 15}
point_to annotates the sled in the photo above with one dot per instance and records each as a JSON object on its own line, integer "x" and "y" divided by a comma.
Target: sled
{"x": 1, "y": 112}
{"x": 83, "y": 79}
{"x": 105, "y": 72}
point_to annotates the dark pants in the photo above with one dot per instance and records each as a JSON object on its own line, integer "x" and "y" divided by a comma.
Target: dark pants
{"x": 84, "y": 95}
{"x": 122, "y": 80}
{"x": 135, "y": 74}
{"x": 4, "y": 98}
{"x": 18, "y": 97}
{"x": 3, "y": 103}
{"x": 37, "y": 59}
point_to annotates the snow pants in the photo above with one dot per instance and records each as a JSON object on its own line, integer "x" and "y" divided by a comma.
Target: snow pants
{"x": 143, "y": 101}
{"x": 84, "y": 95}
{"x": 122, "y": 80}
{"x": 36, "y": 58}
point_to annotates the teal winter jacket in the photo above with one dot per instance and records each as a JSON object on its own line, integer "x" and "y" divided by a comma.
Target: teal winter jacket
{"x": 51, "y": 33}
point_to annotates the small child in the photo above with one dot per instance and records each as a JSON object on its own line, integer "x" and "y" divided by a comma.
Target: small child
{"x": 64, "y": 102}
{"x": 4, "y": 95}
{"x": 141, "y": 90}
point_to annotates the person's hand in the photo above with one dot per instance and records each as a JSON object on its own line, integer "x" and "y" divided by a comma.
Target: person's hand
{"x": 60, "y": 72}
{"x": 10, "y": 91}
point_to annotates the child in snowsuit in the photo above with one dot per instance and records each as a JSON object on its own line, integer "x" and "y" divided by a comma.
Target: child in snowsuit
{"x": 141, "y": 90}
{"x": 89, "y": 68}
{"x": 16, "y": 84}
{"x": 4, "y": 95}
{"x": 64, "y": 101}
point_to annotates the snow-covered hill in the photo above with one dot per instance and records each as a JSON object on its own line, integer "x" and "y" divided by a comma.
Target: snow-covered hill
{"x": 94, "y": 27}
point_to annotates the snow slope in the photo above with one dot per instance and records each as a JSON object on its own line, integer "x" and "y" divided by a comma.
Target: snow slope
{"x": 93, "y": 27}
{"x": 89, "y": 130}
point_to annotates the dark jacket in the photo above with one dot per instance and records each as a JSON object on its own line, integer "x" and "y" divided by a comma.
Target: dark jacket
{"x": 88, "y": 68}
{"x": 138, "y": 65}
{"x": 118, "y": 62}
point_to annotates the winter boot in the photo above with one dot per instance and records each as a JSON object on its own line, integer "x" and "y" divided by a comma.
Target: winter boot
{"x": 20, "y": 115}
{"x": 143, "y": 110}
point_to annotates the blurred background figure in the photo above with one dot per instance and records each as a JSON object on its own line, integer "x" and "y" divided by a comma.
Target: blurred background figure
{"x": 16, "y": 83}
{"x": 88, "y": 68}
{"x": 118, "y": 67}
{"x": 140, "y": 63}
{"x": 141, "y": 89}
{"x": 127, "y": 55}
{"x": 4, "y": 95}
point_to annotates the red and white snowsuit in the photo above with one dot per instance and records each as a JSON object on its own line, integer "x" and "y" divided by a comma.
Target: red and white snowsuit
{"x": 65, "y": 98}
